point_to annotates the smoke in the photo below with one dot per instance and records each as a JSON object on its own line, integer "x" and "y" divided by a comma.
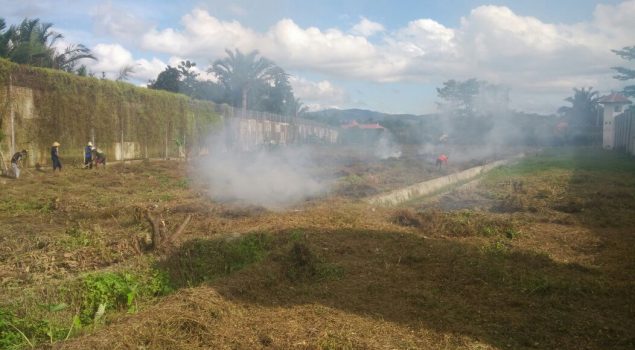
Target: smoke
{"x": 386, "y": 147}
{"x": 273, "y": 177}
{"x": 483, "y": 128}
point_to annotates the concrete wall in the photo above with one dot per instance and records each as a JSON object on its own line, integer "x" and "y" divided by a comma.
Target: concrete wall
{"x": 39, "y": 106}
{"x": 250, "y": 130}
{"x": 428, "y": 187}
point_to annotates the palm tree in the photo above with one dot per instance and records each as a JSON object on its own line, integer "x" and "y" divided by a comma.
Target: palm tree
{"x": 4, "y": 38}
{"x": 69, "y": 58}
{"x": 584, "y": 107}
{"x": 239, "y": 73}
{"x": 32, "y": 42}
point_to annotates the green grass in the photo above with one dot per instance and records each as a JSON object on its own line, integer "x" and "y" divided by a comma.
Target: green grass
{"x": 204, "y": 260}
{"x": 567, "y": 159}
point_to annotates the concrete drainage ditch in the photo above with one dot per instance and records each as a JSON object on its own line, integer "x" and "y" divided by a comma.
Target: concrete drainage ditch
{"x": 429, "y": 187}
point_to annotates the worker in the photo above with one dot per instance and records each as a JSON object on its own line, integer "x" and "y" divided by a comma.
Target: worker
{"x": 442, "y": 160}
{"x": 88, "y": 155}
{"x": 55, "y": 156}
{"x": 100, "y": 157}
{"x": 16, "y": 162}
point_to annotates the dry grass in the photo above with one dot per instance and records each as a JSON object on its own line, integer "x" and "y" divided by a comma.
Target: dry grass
{"x": 337, "y": 274}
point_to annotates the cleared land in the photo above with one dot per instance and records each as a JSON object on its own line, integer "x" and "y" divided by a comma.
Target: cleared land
{"x": 536, "y": 255}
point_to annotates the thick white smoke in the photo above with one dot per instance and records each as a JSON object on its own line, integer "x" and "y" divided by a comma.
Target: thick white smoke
{"x": 272, "y": 178}
{"x": 386, "y": 147}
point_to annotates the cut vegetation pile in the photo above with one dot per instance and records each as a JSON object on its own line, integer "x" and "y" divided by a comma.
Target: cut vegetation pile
{"x": 544, "y": 261}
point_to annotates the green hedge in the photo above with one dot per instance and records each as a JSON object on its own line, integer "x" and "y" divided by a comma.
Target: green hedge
{"x": 70, "y": 109}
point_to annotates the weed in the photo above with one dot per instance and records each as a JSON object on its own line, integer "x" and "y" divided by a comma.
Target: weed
{"x": 335, "y": 342}
{"x": 11, "y": 337}
{"x": 497, "y": 248}
{"x": 406, "y": 217}
{"x": 327, "y": 271}
{"x": 77, "y": 237}
{"x": 537, "y": 285}
{"x": 114, "y": 290}
{"x": 296, "y": 235}
{"x": 165, "y": 197}
{"x": 301, "y": 264}
{"x": 488, "y": 231}
{"x": 182, "y": 184}
{"x": 512, "y": 233}
{"x": 203, "y": 260}
{"x": 18, "y": 332}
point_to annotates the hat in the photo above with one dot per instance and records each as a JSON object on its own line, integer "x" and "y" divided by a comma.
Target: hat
{"x": 56, "y": 144}
{"x": 90, "y": 143}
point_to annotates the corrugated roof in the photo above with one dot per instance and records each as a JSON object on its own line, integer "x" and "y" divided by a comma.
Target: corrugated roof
{"x": 614, "y": 97}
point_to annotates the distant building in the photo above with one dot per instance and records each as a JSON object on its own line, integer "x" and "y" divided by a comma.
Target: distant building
{"x": 354, "y": 124}
{"x": 354, "y": 132}
{"x": 613, "y": 105}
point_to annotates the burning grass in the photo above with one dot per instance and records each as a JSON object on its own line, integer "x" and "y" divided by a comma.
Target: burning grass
{"x": 543, "y": 261}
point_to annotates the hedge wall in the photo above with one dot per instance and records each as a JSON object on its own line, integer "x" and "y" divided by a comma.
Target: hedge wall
{"x": 72, "y": 110}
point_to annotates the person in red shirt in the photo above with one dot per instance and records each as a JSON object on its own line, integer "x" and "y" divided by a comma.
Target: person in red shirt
{"x": 442, "y": 160}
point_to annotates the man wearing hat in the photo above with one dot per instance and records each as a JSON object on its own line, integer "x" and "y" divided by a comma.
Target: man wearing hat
{"x": 55, "y": 156}
{"x": 88, "y": 155}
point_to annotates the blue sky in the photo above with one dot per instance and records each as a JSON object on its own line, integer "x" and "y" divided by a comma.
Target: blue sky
{"x": 382, "y": 55}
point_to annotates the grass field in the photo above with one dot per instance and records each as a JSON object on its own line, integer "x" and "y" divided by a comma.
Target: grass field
{"x": 537, "y": 255}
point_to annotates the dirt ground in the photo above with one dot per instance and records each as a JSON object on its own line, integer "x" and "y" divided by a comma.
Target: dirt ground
{"x": 534, "y": 255}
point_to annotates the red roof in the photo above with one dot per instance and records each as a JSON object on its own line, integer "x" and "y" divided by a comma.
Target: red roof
{"x": 354, "y": 124}
{"x": 614, "y": 97}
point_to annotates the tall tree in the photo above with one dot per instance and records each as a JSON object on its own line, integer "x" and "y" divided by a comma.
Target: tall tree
{"x": 32, "y": 42}
{"x": 241, "y": 73}
{"x": 188, "y": 81}
{"x": 623, "y": 73}
{"x": 584, "y": 108}
{"x": 276, "y": 94}
{"x": 4, "y": 39}
{"x": 457, "y": 97}
{"x": 168, "y": 80}
{"x": 472, "y": 98}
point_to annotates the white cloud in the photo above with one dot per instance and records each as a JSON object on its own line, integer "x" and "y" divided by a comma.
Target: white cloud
{"x": 111, "y": 58}
{"x": 491, "y": 42}
{"x": 319, "y": 95}
{"x": 366, "y": 27}
{"x": 145, "y": 70}
{"x": 119, "y": 22}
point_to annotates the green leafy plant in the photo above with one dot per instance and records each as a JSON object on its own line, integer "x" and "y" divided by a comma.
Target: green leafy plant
{"x": 117, "y": 290}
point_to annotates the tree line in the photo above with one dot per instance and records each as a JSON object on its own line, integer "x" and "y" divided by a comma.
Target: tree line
{"x": 243, "y": 80}
{"x": 249, "y": 81}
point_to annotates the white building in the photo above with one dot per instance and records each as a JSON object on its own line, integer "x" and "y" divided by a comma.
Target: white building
{"x": 613, "y": 105}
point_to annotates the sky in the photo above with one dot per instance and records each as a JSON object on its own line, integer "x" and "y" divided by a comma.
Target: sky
{"x": 388, "y": 56}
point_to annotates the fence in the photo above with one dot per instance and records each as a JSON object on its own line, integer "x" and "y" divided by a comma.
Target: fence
{"x": 249, "y": 130}
{"x": 625, "y": 132}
